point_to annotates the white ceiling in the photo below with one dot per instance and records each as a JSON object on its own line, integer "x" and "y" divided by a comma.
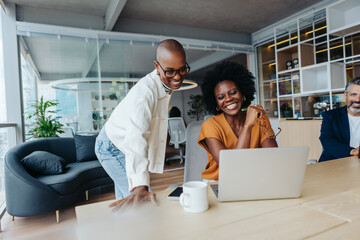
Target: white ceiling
{"x": 199, "y": 19}
{"x": 239, "y": 16}
{"x": 86, "y": 7}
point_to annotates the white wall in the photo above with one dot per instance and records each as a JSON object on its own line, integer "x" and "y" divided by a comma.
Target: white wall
{"x": 2, "y": 80}
{"x": 11, "y": 69}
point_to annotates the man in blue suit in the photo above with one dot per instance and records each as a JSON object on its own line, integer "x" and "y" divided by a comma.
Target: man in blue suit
{"x": 340, "y": 129}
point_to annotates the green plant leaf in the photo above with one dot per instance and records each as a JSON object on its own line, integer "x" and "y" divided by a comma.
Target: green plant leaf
{"x": 46, "y": 123}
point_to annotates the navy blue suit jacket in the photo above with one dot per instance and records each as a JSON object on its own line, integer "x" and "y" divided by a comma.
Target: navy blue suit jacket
{"x": 335, "y": 134}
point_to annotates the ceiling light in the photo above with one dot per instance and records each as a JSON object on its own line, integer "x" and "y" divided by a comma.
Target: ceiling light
{"x": 333, "y": 47}
{"x": 316, "y": 29}
{"x": 296, "y": 37}
{"x": 77, "y": 84}
{"x": 282, "y": 41}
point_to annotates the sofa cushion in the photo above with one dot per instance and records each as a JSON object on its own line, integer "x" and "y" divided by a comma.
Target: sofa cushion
{"x": 43, "y": 163}
{"x": 85, "y": 147}
{"x": 75, "y": 175}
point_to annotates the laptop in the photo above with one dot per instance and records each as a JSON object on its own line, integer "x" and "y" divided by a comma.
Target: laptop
{"x": 261, "y": 173}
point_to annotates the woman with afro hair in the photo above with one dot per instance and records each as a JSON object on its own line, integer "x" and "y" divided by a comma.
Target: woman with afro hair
{"x": 227, "y": 93}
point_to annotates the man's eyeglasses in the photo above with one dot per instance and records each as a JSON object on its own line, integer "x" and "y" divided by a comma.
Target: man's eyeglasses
{"x": 172, "y": 73}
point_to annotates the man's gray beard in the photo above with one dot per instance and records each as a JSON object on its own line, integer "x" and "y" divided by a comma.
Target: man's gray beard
{"x": 354, "y": 110}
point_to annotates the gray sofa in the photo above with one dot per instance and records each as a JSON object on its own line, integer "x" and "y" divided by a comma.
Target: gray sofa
{"x": 28, "y": 195}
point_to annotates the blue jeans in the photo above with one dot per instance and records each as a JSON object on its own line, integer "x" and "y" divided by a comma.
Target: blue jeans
{"x": 113, "y": 161}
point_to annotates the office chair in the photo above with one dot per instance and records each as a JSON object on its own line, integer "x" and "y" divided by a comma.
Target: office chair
{"x": 68, "y": 132}
{"x": 208, "y": 116}
{"x": 196, "y": 156}
{"x": 177, "y": 132}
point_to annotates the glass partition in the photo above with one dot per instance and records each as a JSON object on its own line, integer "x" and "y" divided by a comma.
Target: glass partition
{"x": 3, "y": 133}
{"x": 89, "y": 75}
{"x": 57, "y": 58}
{"x": 4, "y": 145}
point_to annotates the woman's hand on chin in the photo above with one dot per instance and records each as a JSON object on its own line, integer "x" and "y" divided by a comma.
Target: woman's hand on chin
{"x": 253, "y": 112}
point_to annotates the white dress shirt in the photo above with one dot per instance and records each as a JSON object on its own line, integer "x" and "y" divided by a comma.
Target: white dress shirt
{"x": 354, "y": 124}
{"x": 138, "y": 128}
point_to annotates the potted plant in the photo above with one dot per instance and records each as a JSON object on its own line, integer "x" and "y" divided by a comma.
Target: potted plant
{"x": 196, "y": 107}
{"x": 46, "y": 124}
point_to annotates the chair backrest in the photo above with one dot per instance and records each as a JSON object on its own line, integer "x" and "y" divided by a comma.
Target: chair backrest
{"x": 196, "y": 157}
{"x": 177, "y": 130}
{"x": 68, "y": 132}
{"x": 208, "y": 116}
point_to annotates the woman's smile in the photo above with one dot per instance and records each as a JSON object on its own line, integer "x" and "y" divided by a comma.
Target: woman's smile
{"x": 231, "y": 106}
{"x": 228, "y": 97}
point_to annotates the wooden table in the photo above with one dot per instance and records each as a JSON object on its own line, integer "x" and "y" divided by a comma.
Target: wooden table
{"x": 328, "y": 209}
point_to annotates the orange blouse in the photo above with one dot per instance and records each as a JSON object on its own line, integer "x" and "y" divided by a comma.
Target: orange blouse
{"x": 217, "y": 127}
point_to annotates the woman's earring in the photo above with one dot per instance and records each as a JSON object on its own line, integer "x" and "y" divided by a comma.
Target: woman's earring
{"x": 244, "y": 98}
{"x": 217, "y": 108}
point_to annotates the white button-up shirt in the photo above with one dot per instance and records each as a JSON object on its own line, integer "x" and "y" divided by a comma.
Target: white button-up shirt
{"x": 138, "y": 128}
{"x": 354, "y": 125}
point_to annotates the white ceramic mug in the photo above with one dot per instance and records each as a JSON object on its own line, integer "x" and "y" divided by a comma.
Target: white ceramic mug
{"x": 194, "y": 197}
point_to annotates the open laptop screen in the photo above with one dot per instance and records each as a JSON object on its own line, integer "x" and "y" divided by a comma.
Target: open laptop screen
{"x": 261, "y": 173}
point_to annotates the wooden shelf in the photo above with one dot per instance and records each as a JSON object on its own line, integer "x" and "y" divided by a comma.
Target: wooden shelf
{"x": 343, "y": 31}
{"x": 269, "y": 81}
{"x": 319, "y": 73}
{"x": 315, "y": 78}
{"x": 289, "y": 71}
{"x": 344, "y": 17}
{"x": 270, "y": 99}
{"x": 286, "y": 96}
{"x": 307, "y": 54}
{"x": 340, "y": 90}
{"x": 269, "y": 62}
{"x": 284, "y": 55}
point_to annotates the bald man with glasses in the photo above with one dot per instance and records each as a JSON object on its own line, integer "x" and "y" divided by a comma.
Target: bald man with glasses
{"x": 133, "y": 141}
{"x": 340, "y": 129}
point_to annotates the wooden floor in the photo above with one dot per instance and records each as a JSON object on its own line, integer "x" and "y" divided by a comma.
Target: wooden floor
{"x": 28, "y": 227}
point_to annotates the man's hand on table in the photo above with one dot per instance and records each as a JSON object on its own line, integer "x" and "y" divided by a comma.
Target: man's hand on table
{"x": 137, "y": 196}
{"x": 355, "y": 152}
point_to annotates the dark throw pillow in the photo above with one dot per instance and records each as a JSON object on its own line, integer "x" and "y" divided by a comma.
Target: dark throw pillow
{"x": 85, "y": 147}
{"x": 44, "y": 163}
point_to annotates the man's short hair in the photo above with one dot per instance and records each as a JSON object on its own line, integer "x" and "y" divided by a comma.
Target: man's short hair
{"x": 354, "y": 81}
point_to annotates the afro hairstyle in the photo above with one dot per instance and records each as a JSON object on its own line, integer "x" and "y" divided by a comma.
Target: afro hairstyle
{"x": 227, "y": 71}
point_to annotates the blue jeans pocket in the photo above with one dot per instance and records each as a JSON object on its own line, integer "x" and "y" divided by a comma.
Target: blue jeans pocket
{"x": 106, "y": 150}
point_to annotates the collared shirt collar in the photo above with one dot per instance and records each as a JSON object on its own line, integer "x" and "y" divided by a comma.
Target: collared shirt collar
{"x": 162, "y": 87}
{"x": 167, "y": 88}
